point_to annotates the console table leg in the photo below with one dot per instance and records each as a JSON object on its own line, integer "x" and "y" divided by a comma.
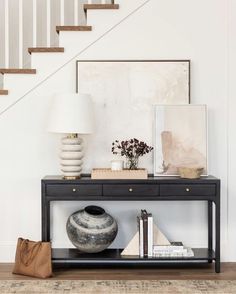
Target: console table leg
{"x": 217, "y": 236}
{"x": 210, "y": 230}
{"x": 45, "y": 220}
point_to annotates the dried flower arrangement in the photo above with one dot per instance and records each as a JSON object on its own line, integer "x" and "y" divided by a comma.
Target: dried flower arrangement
{"x": 132, "y": 149}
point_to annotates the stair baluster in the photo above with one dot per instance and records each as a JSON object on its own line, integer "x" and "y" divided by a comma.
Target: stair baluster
{"x": 76, "y": 20}
{"x": 62, "y": 12}
{"x": 20, "y": 24}
{"x": 48, "y": 13}
{"x": 34, "y": 16}
{"x": 6, "y": 36}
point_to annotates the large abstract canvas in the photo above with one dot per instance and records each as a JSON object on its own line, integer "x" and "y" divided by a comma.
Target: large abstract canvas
{"x": 124, "y": 94}
{"x": 180, "y": 138}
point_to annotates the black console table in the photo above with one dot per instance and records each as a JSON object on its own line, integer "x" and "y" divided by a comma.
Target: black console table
{"x": 54, "y": 188}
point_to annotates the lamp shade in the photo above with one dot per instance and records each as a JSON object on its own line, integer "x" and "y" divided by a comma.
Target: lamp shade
{"x": 71, "y": 114}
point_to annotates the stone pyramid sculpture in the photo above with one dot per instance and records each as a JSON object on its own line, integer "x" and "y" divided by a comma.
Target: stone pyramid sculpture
{"x": 133, "y": 247}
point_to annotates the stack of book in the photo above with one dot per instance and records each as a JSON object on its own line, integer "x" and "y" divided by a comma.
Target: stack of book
{"x": 175, "y": 249}
{"x": 145, "y": 226}
{"x": 148, "y": 249}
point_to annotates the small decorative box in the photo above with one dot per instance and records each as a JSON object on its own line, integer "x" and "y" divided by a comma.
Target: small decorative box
{"x": 107, "y": 173}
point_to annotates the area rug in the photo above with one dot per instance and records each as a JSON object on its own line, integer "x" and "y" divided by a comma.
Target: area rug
{"x": 118, "y": 286}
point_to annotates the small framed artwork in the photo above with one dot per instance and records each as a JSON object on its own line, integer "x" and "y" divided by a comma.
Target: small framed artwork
{"x": 180, "y": 138}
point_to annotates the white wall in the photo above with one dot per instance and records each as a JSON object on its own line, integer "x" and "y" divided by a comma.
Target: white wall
{"x": 231, "y": 225}
{"x": 163, "y": 29}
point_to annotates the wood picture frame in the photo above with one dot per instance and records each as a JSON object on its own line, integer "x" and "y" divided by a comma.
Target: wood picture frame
{"x": 188, "y": 61}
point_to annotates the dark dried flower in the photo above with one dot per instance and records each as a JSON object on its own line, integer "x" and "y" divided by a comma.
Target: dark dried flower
{"x": 132, "y": 148}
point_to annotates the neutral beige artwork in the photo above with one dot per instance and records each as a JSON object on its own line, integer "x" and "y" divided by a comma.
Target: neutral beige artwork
{"x": 181, "y": 138}
{"x": 124, "y": 94}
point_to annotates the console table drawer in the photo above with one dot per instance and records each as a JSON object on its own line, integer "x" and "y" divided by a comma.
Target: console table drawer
{"x": 69, "y": 189}
{"x": 129, "y": 189}
{"x": 187, "y": 190}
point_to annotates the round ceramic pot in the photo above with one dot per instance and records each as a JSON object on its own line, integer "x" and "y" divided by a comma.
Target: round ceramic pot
{"x": 91, "y": 229}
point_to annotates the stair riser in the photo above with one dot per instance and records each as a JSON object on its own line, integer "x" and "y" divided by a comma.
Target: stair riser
{"x": 49, "y": 60}
{"x": 94, "y": 17}
{"x": 19, "y": 84}
{"x": 77, "y": 41}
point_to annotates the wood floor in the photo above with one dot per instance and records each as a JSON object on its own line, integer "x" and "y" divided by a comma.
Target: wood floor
{"x": 199, "y": 272}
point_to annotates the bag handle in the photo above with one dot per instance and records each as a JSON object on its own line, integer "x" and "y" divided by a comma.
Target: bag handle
{"x": 24, "y": 252}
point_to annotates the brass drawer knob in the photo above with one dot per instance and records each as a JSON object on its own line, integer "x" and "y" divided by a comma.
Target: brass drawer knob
{"x": 74, "y": 190}
{"x": 130, "y": 190}
{"x": 187, "y": 189}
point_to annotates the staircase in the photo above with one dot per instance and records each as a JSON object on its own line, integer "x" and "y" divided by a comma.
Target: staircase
{"x": 33, "y": 50}
{"x": 73, "y": 40}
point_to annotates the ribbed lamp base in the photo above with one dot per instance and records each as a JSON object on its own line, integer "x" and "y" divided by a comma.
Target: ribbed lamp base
{"x": 71, "y": 157}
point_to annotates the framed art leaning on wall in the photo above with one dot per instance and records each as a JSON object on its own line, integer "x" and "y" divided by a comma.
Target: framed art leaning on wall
{"x": 124, "y": 93}
{"x": 161, "y": 81}
{"x": 180, "y": 138}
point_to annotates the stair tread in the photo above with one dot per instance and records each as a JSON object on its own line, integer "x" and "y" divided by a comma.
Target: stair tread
{"x": 73, "y": 28}
{"x": 17, "y": 71}
{"x": 100, "y": 6}
{"x": 3, "y": 92}
{"x": 45, "y": 49}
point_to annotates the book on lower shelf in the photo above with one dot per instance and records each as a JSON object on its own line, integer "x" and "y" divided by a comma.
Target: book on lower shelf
{"x": 174, "y": 246}
{"x": 150, "y": 235}
{"x": 140, "y": 230}
{"x": 144, "y": 217}
{"x": 175, "y": 249}
{"x": 146, "y": 240}
{"x": 145, "y": 227}
{"x": 186, "y": 252}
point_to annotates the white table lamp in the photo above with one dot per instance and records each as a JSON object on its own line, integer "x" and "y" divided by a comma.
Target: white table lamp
{"x": 71, "y": 114}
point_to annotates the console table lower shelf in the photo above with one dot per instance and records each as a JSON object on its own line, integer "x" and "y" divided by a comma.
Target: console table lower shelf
{"x": 113, "y": 257}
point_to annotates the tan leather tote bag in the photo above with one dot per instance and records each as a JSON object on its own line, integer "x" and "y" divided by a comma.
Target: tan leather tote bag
{"x": 33, "y": 259}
